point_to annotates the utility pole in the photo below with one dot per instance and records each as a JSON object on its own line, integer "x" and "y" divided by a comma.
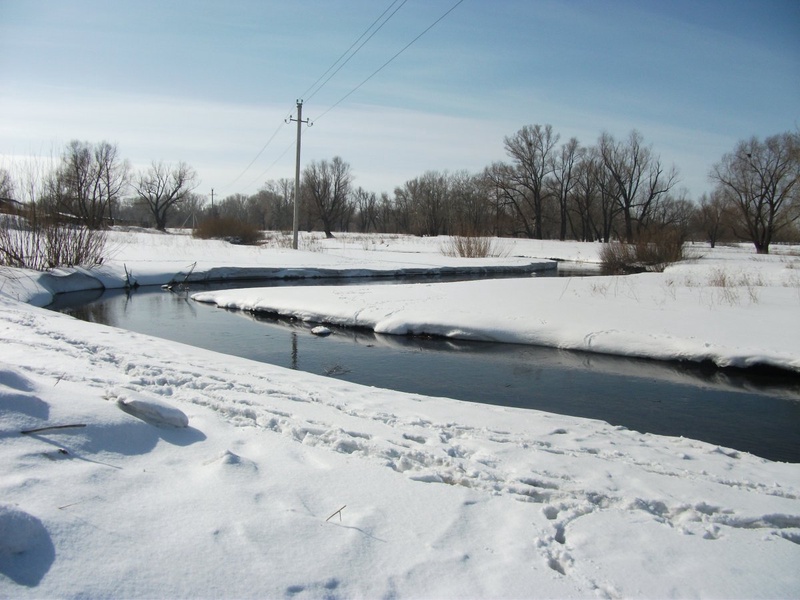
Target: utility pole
{"x": 296, "y": 219}
{"x": 212, "y": 199}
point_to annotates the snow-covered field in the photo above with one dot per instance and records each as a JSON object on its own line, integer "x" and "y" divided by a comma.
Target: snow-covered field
{"x": 185, "y": 473}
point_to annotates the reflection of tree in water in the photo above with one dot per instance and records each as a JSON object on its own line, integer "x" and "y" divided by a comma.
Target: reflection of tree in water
{"x": 182, "y": 296}
{"x": 94, "y": 312}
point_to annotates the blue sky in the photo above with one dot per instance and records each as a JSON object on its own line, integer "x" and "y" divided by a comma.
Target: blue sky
{"x": 210, "y": 82}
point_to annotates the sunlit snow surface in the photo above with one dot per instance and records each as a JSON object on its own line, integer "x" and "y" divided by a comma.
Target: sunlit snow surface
{"x": 441, "y": 498}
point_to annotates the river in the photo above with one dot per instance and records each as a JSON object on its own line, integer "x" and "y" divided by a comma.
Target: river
{"x": 748, "y": 411}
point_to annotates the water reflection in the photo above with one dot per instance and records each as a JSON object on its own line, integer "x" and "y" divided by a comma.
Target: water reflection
{"x": 528, "y": 359}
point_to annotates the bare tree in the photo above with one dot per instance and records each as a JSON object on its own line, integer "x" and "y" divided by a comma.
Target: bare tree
{"x": 470, "y": 202}
{"x": 531, "y": 150}
{"x": 586, "y": 200}
{"x": 163, "y": 187}
{"x": 427, "y": 201}
{"x": 32, "y": 236}
{"x": 187, "y": 213}
{"x": 673, "y": 213}
{"x": 31, "y": 181}
{"x": 326, "y": 186}
{"x": 367, "y": 205}
{"x": 403, "y": 210}
{"x": 760, "y": 179}
{"x": 258, "y": 208}
{"x": 89, "y": 182}
{"x": 563, "y": 180}
{"x": 386, "y": 215}
{"x": 6, "y": 185}
{"x": 639, "y": 178}
{"x": 508, "y": 195}
{"x": 280, "y": 194}
{"x": 234, "y": 206}
{"x": 710, "y": 217}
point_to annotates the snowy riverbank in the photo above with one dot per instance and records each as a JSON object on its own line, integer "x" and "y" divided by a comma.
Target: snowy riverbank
{"x": 677, "y": 316}
{"x": 441, "y": 498}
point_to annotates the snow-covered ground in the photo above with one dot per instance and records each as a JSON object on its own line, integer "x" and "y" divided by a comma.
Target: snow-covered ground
{"x": 186, "y": 473}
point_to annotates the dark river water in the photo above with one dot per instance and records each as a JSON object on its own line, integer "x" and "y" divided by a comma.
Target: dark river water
{"x": 752, "y": 412}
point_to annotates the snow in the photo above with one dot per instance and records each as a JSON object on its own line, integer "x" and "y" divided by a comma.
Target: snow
{"x": 440, "y": 498}
{"x": 18, "y": 531}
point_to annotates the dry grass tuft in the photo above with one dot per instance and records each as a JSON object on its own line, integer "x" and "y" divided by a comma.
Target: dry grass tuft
{"x": 468, "y": 246}
{"x": 653, "y": 251}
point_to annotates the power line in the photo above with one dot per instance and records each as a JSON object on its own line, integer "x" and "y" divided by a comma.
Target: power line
{"x": 356, "y": 50}
{"x": 379, "y": 69}
{"x": 260, "y": 152}
{"x": 275, "y": 162}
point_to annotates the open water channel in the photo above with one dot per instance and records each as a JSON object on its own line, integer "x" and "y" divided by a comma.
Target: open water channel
{"x": 748, "y": 411}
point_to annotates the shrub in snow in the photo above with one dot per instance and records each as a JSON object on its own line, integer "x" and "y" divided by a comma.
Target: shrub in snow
{"x": 652, "y": 251}
{"x": 228, "y": 229}
{"x": 41, "y": 242}
{"x": 471, "y": 246}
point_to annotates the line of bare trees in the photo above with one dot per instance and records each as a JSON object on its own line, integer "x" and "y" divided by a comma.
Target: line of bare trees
{"x": 617, "y": 189}
{"x": 546, "y": 189}
{"x": 93, "y": 186}
{"x": 56, "y": 212}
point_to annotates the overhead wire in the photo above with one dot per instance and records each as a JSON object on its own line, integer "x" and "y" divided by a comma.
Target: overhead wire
{"x": 275, "y": 162}
{"x": 260, "y": 152}
{"x": 384, "y": 65}
{"x": 345, "y": 53}
{"x": 359, "y": 48}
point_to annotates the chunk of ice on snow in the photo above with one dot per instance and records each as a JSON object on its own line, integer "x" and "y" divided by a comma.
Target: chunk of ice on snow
{"x": 152, "y": 410}
{"x": 321, "y": 331}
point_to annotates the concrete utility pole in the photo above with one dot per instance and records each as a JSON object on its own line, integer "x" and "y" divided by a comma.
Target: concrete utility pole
{"x": 296, "y": 219}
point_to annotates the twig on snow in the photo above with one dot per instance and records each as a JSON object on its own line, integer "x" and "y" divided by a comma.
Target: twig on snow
{"x": 40, "y": 429}
{"x": 174, "y": 281}
{"x": 338, "y": 512}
